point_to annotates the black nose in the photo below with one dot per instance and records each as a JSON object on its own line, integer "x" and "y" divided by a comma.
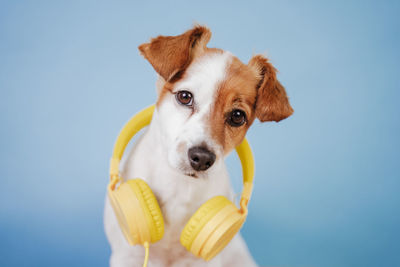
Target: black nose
{"x": 201, "y": 158}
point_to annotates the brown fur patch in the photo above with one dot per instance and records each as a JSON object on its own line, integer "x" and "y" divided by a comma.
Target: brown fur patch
{"x": 237, "y": 91}
{"x": 272, "y": 101}
{"x": 171, "y": 55}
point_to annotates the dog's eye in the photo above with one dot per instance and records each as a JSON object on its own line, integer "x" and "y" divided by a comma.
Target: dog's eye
{"x": 236, "y": 118}
{"x": 184, "y": 98}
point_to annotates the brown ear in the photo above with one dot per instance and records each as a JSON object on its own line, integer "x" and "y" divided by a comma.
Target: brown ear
{"x": 171, "y": 55}
{"x": 272, "y": 102}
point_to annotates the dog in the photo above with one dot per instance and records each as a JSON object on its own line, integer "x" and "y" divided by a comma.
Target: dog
{"x": 207, "y": 100}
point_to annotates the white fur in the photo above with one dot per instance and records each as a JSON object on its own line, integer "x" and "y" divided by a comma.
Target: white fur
{"x": 156, "y": 159}
{"x": 183, "y": 127}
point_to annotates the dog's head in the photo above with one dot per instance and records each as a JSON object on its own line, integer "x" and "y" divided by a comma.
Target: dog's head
{"x": 208, "y": 98}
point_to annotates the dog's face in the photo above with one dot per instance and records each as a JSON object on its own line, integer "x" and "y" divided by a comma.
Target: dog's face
{"x": 208, "y": 98}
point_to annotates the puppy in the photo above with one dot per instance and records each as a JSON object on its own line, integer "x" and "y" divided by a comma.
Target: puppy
{"x": 207, "y": 100}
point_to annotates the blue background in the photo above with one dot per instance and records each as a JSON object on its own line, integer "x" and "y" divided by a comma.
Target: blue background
{"x": 327, "y": 184}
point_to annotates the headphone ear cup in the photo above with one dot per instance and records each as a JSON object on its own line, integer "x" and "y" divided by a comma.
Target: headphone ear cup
{"x": 152, "y": 210}
{"x": 211, "y": 228}
{"x": 137, "y": 212}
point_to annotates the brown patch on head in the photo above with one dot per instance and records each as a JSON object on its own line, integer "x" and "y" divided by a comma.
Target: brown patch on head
{"x": 237, "y": 91}
{"x": 272, "y": 101}
{"x": 252, "y": 88}
{"x": 171, "y": 55}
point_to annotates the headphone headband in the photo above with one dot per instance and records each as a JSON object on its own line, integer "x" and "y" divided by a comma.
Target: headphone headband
{"x": 143, "y": 118}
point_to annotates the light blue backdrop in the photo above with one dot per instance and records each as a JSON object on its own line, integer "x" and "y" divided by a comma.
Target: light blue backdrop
{"x": 327, "y": 184}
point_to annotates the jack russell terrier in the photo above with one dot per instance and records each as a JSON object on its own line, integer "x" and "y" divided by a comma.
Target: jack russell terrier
{"x": 207, "y": 100}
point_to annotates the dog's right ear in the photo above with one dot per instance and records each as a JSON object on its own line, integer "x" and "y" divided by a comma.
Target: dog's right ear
{"x": 171, "y": 55}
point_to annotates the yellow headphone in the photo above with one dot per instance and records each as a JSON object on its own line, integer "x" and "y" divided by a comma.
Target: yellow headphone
{"x": 207, "y": 232}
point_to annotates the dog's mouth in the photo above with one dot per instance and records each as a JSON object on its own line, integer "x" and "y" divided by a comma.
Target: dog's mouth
{"x": 192, "y": 174}
{"x": 187, "y": 171}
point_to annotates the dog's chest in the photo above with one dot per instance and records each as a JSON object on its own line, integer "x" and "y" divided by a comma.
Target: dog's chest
{"x": 179, "y": 196}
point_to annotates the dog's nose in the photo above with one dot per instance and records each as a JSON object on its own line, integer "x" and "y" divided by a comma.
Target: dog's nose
{"x": 201, "y": 158}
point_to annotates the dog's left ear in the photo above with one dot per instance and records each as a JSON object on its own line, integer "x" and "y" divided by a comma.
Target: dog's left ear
{"x": 272, "y": 102}
{"x": 171, "y": 55}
